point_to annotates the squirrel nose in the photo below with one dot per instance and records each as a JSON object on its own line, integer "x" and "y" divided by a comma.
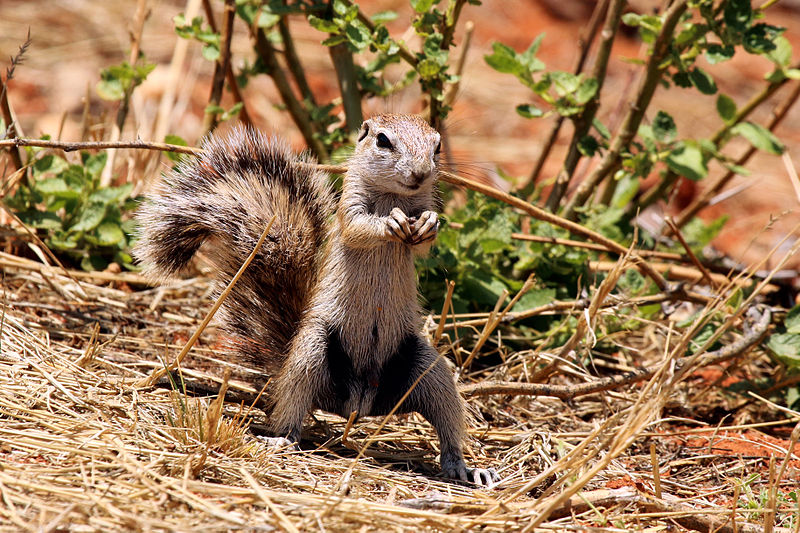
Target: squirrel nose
{"x": 419, "y": 177}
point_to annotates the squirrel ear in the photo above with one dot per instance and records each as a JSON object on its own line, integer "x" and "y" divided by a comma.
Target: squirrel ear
{"x": 364, "y": 132}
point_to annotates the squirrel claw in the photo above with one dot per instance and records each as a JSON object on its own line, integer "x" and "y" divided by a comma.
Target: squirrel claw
{"x": 398, "y": 226}
{"x": 456, "y": 469}
{"x": 276, "y": 443}
{"x": 426, "y": 228}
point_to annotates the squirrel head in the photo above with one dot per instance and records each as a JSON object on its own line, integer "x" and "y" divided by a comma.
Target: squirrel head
{"x": 397, "y": 154}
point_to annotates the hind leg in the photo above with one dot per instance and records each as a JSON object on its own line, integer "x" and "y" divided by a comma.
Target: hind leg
{"x": 435, "y": 397}
{"x": 303, "y": 376}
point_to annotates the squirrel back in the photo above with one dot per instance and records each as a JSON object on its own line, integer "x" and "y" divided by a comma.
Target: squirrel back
{"x": 222, "y": 201}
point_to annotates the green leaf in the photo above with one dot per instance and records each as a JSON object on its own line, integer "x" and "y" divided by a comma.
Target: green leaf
{"x": 738, "y": 14}
{"x": 91, "y": 217}
{"x": 383, "y": 17}
{"x": 109, "y": 195}
{"x": 333, "y": 40}
{"x": 535, "y": 298}
{"x": 109, "y": 234}
{"x": 177, "y": 140}
{"x": 627, "y": 187}
{"x": 357, "y": 34}
{"x": 421, "y": 6}
{"x": 428, "y": 68}
{"x": 759, "y": 38}
{"x": 601, "y": 128}
{"x": 782, "y": 54}
{"x": 703, "y": 81}
{"x": 687, "y": 160}
{"x": 40, "y": 219}
{"x": 210, "y": 52}
{"x": 759, "y": 136}
{"x": 586, "y": 90}
{"x": 529, "y": 111}
{"x": 792, "y": 321}
{"x": 726, "y": 107}
{"x": 53, "y": 186}
{"x": 94, "y": 163}
{"x": 503, "y": 59}
{"x": 786, "y": 348}
{"x": 717, "y": 53}
{"x": 48, "y": 163}
{"x": 323, "y": 25}
{"x": 565, "y": 82}
{"x": 664, "y": 128}
{"x": 588, "y": 145}
{"x": 111, "y": 89}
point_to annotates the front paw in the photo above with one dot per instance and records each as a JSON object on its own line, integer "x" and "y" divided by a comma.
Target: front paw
{"x": 456, "y": 469}
{"x": 398, "y": 226}
{"x": 426, "y": 228}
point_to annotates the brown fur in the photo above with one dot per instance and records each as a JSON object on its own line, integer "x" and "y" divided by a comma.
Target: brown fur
{"x": 350, "y": 338}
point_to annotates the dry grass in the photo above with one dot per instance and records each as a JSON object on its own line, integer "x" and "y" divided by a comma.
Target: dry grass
{"x": 84, "y": 449}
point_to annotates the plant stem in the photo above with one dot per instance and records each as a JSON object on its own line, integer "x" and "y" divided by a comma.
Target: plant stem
{"x": 293, "y": 61}
{"x": 630, "y": 125}
{"x": 348, "y": 85}
{"x": 244, "y": 115}
{"x": 298, "y": 112}
{"x": 583, "y": 122}
{"x": 719, "y": 139}
{"x": 778, "y": 115}
{"x": 220, "y": 67}
{"x": 585, "y": 40}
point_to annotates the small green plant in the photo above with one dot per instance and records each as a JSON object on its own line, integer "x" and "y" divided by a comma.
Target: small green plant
{"x": 73, "y": 214}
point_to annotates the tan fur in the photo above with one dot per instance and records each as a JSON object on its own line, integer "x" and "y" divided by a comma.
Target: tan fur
{"x": 358, "y": 345}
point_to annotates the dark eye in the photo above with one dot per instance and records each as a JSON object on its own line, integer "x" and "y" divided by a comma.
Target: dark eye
{"x": 364, "y": 133}
{"x": 438, "y": 149}
{"x": 383, "y": 141}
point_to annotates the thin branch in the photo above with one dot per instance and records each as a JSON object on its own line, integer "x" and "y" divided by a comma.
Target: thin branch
{"x": 233, "y": 85}
{"x": 12, "y": 128}
{"x": 101, "y": 145}
{"x": 221, "y": 66}
{"x": 346, "y": 75}
{"x": 293, "y": 61}
{"x": 777, "y": 116}
{"x": 630, "y": 125}
{"x": 299, "y": 114}
{"x": 583, "y": 122}
{"x": 695, "y": 261}
{"x": 757, "y": 331}
{"x": 719, "y": 138}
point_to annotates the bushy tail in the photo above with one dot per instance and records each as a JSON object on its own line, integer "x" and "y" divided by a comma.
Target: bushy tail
{"x": 225, "y": 199}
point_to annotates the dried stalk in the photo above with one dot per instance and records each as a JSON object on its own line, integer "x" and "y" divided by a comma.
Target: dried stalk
{"x": 758, "y": 330}
{"x": 12, "y": 128}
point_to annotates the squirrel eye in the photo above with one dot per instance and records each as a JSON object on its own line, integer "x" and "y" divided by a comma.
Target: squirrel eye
{"x": 383, "y": 141}
{"x": 438, "y": 148}
{"x": 364, "y": 133}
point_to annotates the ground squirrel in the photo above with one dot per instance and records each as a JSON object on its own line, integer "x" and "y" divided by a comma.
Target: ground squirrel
{"x": 329, "y": 306}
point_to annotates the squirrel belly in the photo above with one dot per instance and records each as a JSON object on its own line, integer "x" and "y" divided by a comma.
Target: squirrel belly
{"x": 328, "y": 308}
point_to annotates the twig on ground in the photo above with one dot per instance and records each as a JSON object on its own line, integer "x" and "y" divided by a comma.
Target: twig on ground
{"x": 757, "y": 331}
